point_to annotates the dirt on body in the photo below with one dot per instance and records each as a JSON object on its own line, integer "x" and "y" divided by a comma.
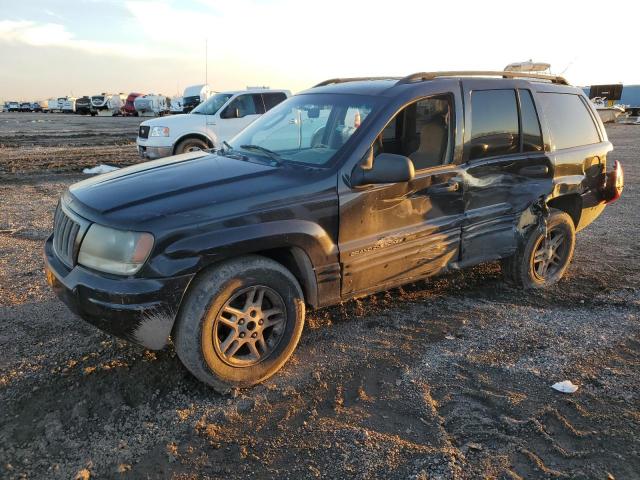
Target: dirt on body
{"x": 449, "y": 378}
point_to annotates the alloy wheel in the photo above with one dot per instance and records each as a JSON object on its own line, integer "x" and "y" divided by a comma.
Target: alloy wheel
{"x": 549, "y": 254}
{"x": 249, "y": 326}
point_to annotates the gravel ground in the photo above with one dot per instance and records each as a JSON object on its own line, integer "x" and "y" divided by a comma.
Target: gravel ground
{"x": 444, "y": 379}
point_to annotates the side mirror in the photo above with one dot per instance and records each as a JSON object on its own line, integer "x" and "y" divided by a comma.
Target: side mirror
{"x": 385, "y": 168}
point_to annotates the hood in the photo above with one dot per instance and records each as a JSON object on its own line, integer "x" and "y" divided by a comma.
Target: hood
{"x": 182, "y": 183}
{"x": 167, "y": 121}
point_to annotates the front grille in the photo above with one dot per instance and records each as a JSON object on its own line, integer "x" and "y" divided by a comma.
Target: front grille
{"x": 144, "y": 131}
{"x": 65, "y": 232}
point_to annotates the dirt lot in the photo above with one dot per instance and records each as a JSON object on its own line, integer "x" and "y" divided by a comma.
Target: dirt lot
{"x": 449, "y": 378}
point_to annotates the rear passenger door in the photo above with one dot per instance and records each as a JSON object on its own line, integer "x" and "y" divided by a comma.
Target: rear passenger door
{"x": 505, "y": 165}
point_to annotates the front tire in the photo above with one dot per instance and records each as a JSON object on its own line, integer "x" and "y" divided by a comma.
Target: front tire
{"x": 240, "y": 322}
{"x": 191, "y": 145}
{"x": 542, "y": 261}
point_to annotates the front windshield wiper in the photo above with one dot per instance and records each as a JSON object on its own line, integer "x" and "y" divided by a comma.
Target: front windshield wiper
{"x": 270, "y": 153}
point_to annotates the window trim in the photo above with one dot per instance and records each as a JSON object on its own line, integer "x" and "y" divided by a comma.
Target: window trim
{"x": 537, "y": 113}
{"x": 449, "y": 154}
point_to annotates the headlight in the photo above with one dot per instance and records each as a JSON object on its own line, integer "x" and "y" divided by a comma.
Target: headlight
{"x": 159, "y": 132}
{"x": 114, "y": 251}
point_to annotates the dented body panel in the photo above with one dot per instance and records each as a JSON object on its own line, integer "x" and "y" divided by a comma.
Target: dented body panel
{"x": 340, "y": 240}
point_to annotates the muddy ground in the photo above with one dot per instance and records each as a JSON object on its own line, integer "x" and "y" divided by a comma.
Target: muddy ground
{"x": 444, "y": 379}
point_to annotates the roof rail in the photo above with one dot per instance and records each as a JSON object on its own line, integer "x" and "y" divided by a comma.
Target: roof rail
{"x": 333, "y": 81}
{"x": 423, "y": 76}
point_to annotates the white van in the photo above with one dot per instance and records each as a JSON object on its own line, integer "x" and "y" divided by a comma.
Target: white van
{"x": 208, "y": 125}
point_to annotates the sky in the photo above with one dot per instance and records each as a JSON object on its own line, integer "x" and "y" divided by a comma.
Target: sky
{"x": 52, "y": 48}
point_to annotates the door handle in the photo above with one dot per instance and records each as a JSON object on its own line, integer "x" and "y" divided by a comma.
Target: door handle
{"x": 449, "y": 187}
{"x": 534, "y": 170}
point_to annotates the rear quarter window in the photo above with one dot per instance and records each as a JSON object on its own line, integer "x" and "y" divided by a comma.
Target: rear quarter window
{"x": 570, "y": 122}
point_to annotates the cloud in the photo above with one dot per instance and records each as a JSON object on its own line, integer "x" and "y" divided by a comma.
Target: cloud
{"x": 39, "y": 34}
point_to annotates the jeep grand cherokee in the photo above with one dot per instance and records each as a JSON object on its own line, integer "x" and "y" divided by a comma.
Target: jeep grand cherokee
{"x": 351, "y": 187}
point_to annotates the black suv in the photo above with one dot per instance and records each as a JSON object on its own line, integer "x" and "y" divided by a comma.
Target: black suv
{"x": 351, "y": 187}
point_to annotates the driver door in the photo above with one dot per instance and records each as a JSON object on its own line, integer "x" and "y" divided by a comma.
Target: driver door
{"x": 238, "y": 114}
{"x": 391, "y": 234}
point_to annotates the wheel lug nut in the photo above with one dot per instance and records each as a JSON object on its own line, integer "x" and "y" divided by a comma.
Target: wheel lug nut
{"x": 241, "y": 322}
{"x": 260, "y": 322}
{"x": 254, "y": 335}
{"x": 241, "y": 334}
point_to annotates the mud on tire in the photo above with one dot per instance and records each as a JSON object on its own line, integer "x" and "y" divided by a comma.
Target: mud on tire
{"x": 233, "y": 311}
{"x": 190, "y": 145}
{"x": 526, "y": 268}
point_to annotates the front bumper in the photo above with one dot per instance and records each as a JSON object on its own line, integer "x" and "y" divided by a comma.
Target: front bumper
{"x": 140, "y": 310}
{"x": 153, "y": 153}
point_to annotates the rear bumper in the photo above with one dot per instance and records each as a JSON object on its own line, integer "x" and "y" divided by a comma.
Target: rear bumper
{"x": 136, "y": 309}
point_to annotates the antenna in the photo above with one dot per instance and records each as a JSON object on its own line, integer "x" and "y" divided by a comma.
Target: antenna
{"x": 567, "y": 67}
{"x": 206, "y": 61}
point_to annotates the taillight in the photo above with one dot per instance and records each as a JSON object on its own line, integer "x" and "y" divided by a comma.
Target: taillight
{"x": 614, "y": 184}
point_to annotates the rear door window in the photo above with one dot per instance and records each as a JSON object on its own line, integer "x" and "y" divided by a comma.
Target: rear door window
{"x": 494, "y": 123}
{"x": 570, "y": 122}
{"x": 273, "y": 99}
{"x": 531, "y": 133}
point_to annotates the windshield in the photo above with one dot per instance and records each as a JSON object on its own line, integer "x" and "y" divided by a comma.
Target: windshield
{"x": 211, "y": 106}
{"x": 307, "y": 129}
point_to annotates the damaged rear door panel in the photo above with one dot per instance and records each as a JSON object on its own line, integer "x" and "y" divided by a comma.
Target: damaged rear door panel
{"x": 506, "y": 167}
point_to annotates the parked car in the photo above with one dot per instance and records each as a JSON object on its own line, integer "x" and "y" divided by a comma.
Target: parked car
{"x": 13, "y": 107}
{"x": 129, "y": 106}
{"x": 83, "y": 106}
{"x": 219, "y": 118}
{"x": 36, "y": 107}
{"x": 194, "y": 96}
{"x": 349, "y": 188}
{"x": 25, "y": 107}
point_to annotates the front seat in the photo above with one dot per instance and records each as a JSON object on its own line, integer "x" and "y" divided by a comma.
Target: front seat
{"x": 433, "y": 144}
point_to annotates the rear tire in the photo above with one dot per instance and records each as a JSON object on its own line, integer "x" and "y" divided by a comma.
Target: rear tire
{"x": 191, "y": 145}
{"x": 540, "y": 262}
{"x": 229, "y": 334}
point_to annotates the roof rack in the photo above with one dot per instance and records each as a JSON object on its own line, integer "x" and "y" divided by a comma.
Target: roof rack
{"x": 333, "y": 81}
{"x": 423, "y": 76}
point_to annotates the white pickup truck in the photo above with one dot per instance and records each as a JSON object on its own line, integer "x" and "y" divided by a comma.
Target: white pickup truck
{"x": 220, "y": 118}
